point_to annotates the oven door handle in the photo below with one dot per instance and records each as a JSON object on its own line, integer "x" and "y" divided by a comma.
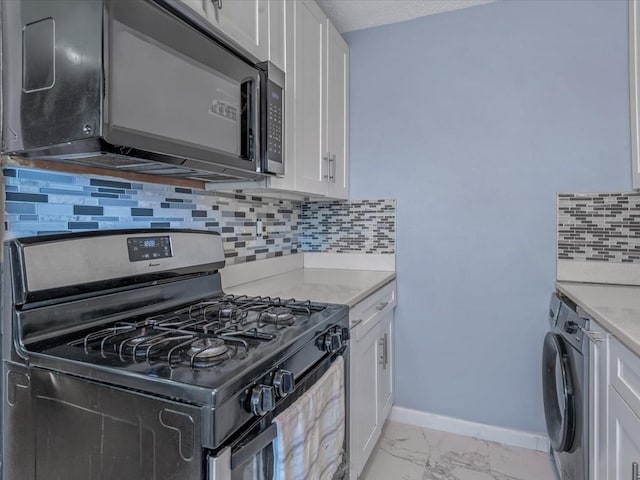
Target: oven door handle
{"x": 249, "y": 450}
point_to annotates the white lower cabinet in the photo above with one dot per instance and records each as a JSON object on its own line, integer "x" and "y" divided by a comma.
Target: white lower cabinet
{"x": 624, "y": 440}
{"x": 364, "y": 399}
{"x": 371, "y": 390}
{"x": 614, "y": 452}
{"x": 385, "y": 372}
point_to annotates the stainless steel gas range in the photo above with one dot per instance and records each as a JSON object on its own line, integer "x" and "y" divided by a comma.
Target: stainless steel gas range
{"x": 123, "y": 358}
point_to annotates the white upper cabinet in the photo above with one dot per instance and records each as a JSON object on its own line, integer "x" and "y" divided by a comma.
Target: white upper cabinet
{"x": 337, "y": 87}
{"x": 277, "y": 33}
{"x": 634, "y": 65}
{"x": 318, "y": 87}
{"x": 243, "y": 23}
{"x": 309, "y": 155}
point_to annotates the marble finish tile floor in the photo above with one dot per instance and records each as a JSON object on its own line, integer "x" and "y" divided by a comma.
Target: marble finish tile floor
{"x": 407, "y": 452}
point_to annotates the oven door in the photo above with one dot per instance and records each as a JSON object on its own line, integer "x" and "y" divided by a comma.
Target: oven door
{"x": 251, "y": 455}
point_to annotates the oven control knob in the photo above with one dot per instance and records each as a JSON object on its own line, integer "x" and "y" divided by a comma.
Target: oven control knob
{"x": 283, "y": 382}
{"x": 332, "y": 342}
{"x": 263, "y": 400}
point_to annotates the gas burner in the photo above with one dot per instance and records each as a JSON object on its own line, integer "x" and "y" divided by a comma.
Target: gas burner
{"x": 142, "y": 337}
{"x": 206, "y": 348}
{"x": 277, "y": 315}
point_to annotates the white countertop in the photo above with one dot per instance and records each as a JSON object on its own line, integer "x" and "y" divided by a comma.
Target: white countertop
{"x": 328, "y": 285}
{"x": 615, "y": 307}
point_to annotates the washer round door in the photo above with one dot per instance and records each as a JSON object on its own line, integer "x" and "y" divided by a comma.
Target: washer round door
{"x": 558, "y": 393}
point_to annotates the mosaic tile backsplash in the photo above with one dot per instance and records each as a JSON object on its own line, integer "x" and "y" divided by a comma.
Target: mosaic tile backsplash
{"x": 40, "y": 202}
{"x": 599, "y": 227}
{"x": 366, "y": 226}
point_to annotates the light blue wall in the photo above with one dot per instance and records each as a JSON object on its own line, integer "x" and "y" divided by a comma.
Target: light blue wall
{"x": 473, "y": 120}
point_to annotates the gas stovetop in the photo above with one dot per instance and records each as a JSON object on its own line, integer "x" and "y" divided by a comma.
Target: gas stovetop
{"x": 212, "y": 333}
{"x": 201, "y": 352}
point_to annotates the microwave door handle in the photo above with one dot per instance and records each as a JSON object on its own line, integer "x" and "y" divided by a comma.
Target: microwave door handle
{"x": 249, "y": 94}
{"x": 254, "y": 446}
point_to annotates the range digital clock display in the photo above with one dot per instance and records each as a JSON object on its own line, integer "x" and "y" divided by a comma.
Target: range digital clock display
{"x": 149, "y": 248}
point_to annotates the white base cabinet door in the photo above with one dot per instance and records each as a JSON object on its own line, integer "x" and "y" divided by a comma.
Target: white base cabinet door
{"x": 385, "y": 367}
{"x": 371, "y": 390}
{"x": 624, "y": 440}
{"x": 364, "y": 401}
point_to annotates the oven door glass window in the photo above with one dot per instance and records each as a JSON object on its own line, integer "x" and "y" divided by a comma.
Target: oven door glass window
{"x": 254, "y": 460}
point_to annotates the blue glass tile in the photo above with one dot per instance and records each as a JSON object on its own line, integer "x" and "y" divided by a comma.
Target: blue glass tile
{"x": 83, "y": 225}
{"x": 183, "y": 190}
{"x": 26, "y": 197}
{"x": 104, "y": 195}
{"x": 96, "y": 182}
{"x": 35, "y": 226}
{"x": 19, "y": 207}
{"x": 160, "y": 225}
{"x": 142, "y": 212}
{"x": 111, "y": 190}
{"x": 117, "y": 202}
{"x": 90, "y": 189}
{"x": 198, "y": 213}
{"x": 60, "y": 191}
{"x": 87, "y": 210}
{"x": 54, "y": 209}
{"x": 136, "y": 186}
{"x": 45, "y": 176}
{"x": 51, "y": 232}
{"x": 186, "y": 206}
{"x": 9, "y": 172}
{"x": 175, "y": 200}
{"x": 126, "y": 197}
{"x": 164, "y": 205}
{"x": 105, "y": 219}
{"x": 11, "y": 188}
{"x": 29, "y": 218}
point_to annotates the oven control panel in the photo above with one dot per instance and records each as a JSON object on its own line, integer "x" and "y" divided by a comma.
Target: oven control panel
{"x": 149, "y": 248}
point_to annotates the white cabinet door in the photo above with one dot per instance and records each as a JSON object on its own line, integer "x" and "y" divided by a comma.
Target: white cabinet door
{"x": 624, "y": 440}
{"x": 385, "y": 367}
{"x": 634, "y": 79}
{"x": 241, "y": 23}
{"x": 246, "y": 22}
{"x": 337, "y": 87}
{"x": 201, "y": 7}
{"x": 309, "y": 101}
{"x": 277, "y": 33}
{"x": 364, "y": 405}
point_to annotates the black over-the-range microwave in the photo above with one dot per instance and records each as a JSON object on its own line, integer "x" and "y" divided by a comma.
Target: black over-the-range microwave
{"x": 139, "y": 86}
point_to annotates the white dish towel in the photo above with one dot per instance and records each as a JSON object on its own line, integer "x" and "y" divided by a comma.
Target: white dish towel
{"x": 311, "y": 431}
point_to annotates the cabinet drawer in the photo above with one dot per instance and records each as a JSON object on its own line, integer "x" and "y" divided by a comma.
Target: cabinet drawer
{"x": 624, "y": 374}
{"x": 366, "y": 314}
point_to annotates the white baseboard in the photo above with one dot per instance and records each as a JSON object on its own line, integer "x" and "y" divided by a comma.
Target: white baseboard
{"x": 514, "y": 438}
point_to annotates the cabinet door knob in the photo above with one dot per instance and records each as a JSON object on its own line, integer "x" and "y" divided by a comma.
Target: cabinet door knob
{"x": 219, "y": 2}
{"x": 635, "y": 475}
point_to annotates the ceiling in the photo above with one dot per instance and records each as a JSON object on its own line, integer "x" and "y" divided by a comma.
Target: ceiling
{"x": 349, "y": 15}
